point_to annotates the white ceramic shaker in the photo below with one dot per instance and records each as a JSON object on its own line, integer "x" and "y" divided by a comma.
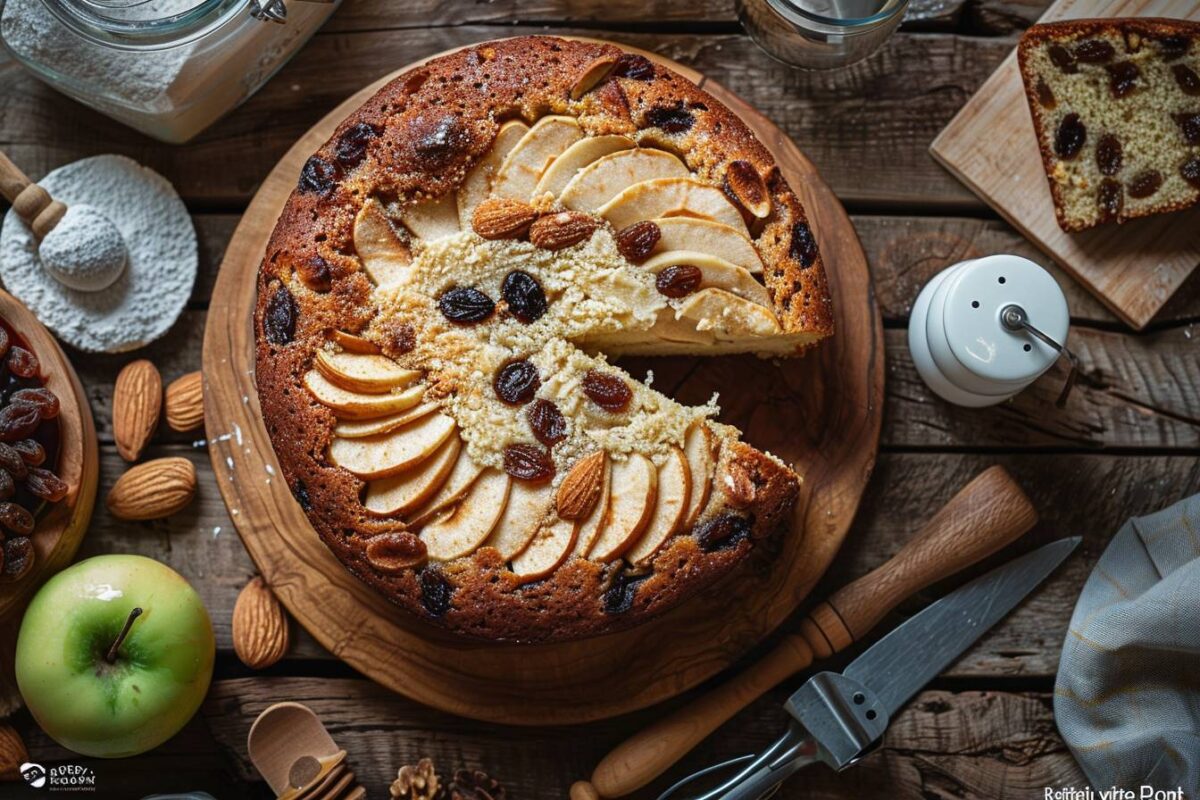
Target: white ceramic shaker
{"x": 965, "y": 333}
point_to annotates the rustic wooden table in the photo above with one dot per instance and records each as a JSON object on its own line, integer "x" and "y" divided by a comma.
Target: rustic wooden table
{"x": 1126, "y": 443}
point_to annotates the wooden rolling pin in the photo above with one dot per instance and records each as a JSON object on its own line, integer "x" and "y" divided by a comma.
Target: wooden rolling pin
{"x": 987, "y": 514}
{"x": 31, "y": 202}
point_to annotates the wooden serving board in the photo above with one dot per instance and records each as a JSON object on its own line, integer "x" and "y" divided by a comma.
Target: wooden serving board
{"x": 821, "y": 413}
{"x": 1133, "y": 268}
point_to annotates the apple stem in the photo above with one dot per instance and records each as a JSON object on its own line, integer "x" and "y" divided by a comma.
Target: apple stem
{"x": 111, "y": 656}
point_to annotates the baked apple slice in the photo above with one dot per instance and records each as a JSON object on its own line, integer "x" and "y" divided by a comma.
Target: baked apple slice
{"x": 525, "y": 513}
{"x": 698, "y": 448}
{"x": 550, "y": 547}
{"x": 353, "y": 343}
{"x": 576, "y": 157}
{"x": 395, "y": 452}
{"x": 706, "y": 236}
{"x": 671, "y": 197}
{"x": 603, "y": 180}
{"x": 477, "y": 185}
{"x": 358, "y": 372}
{"x": 724, "y": 313}
{"x": 402, "y": 493}
{"x": 462, "y": 478}
{"x": 715, "y": 272}
{"x": 670, "y": 507}
{"x": 357, "y": 429}
{"x": 522, "y": 168}
{"x": 630, "y": 506}
{"x": 384, "y": 255}
{"x": 433, "y": 219}
{"x": 466, "y": 526}
{"x": 356, "y": 405}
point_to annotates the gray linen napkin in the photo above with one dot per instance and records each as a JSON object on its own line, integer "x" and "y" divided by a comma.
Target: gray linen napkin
{"x": 1127, "y": 698}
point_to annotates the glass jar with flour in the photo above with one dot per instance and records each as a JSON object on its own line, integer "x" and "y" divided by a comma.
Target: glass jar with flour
{"x": 168, "y": 68}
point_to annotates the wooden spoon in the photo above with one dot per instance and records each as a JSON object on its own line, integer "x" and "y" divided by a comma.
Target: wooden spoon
{"x": 31, "y": 202}
{"x": 284, "y": 742}
{"x": 988, "y": 513}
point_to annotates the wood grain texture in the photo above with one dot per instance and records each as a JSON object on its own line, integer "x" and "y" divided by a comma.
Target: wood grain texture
{"x": 828, "y": 430}
{"x": 1133, "y": 268}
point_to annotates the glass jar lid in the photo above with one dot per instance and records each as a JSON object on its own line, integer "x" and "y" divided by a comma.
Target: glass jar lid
{"x": 145, "y": 24}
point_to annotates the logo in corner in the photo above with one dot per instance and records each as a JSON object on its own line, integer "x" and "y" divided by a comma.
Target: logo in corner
{"x": 62, "y": 778}
{"x": 34, "y": 774}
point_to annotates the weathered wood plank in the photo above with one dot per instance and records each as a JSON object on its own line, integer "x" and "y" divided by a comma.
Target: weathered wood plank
{"x": 866, "y": 127}
{"x": 1087, "y": 495}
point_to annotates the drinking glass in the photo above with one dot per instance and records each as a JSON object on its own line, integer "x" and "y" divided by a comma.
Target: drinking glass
{"x": 820, "y": 34}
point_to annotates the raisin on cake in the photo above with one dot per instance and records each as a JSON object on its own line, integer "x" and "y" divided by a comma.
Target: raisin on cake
{"x": 1116, "y": 106}
{"x": 437, "y": 307}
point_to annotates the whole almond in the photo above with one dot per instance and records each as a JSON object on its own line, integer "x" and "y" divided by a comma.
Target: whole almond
{"x": 392, "y": 553}
{"x": 153, "y": 490}
{"x": 748, "y": 188}
{"x": 502, "y": 218}
{"x": 137, "y": 402}
{"x": 260, "y": 626}
{"x": 581, "y": 488}
{"x": 592, "y": 74}
{"x": 638, "y": 241}
{"x": 185, "y": 402}
{"x": 561, "y": 230}
{"x": 12, "y": 753}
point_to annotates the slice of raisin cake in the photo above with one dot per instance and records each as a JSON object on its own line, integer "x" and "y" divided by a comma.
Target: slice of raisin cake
{"x": 1116, "y": 106}
{"x": 436, "y": 312}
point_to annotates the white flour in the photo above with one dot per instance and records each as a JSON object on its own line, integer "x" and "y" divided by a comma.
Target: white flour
{"x": 84, "y": 250}
{"x": 152, "y": 291}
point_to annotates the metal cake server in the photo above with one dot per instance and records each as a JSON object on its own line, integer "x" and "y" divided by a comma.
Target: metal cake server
{"x": 840, "y": 717}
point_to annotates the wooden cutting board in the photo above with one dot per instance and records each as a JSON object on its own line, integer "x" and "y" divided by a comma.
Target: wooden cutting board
{"x": 822, "y": 413}
{"x": 1133, "y": 268}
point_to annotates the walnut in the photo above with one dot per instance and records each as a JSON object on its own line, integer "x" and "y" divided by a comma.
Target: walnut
{"x": 474, "y": 784}
{"x": 419, "y": 782}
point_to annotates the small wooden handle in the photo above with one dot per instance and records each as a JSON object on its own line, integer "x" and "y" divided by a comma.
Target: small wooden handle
{"x": 31, "y": 202}
{"x": 983, "y": 517}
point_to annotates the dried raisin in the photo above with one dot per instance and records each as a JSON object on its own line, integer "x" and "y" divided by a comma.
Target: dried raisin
{"x": 1094, "y": 51}
{"x": 45, "y": 484}
{"x": 1110, "y": 198}
{"x": 32, "y": 452}
{"x": 1123, "y": 77}
{"x": 352, "y": 147}
{"x": 524, "y": 295}
{"x": 318, "y": 177}
{"x": 1190, "y": 171}
{"x": 12, "y": 463}
{"x": 1071, "y": 135}
{"x": 1187, "y": 79}
{"x": 8, "y": 487}
{"x": 18, "y": 558}
{"x": 1045, "y": 95}
{"x": 4, "y": 342}
{"x": 607, "y": 391}
{"x": 1189, "y": 124}
{"x": 23, "y": 363}
{"x": 279, "y": 317}
{"x": 436, "y": 592}
{"x": 1172, "y": 47}
{"x": 638, "y": 241}
{"x": 804, "y": 244}
{"x": 672, "y": 119}
{"x": 1145, "y": 184}
{"x": 1109, "y": 154}
{"x": 19, "y": 421}
{"x": 678, "y": 280}
{"x": 316, "y": 274}
{"x": 548, "y": 423}
{"x": 41, "y": 397}
{"x": 723, "y": 532}
{"x": 16, "y": 519}
{"x": 517, "y": 382}
{"x": 619, "y": 597}
{"x": 1061, "y": 57}
{"x": 438, "y": 139}
{"x": 465, "y": 305}
{"x": 635, "y": 67}
{"x": 528, "y": 462}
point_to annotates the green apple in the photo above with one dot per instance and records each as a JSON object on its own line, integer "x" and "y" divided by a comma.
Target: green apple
{"x": 115, "y": 655}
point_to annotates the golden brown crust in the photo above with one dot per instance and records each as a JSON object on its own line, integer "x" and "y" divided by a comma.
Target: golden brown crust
{"x": 414, "y": 140}
{"x": 1070, "y": 31}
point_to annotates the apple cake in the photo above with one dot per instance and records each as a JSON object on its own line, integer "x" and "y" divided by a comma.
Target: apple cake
{"x": 436, "y": 312}
{"x": 1116, "y": 107}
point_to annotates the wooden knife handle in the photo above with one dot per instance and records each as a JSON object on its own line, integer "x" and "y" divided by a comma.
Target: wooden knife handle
{"x": 988, "y": 513}
{"x": 31, "y": 202}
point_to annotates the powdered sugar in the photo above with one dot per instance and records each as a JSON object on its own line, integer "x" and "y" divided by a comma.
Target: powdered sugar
{"x": 84, "y": 250}
{"x": 152, "y": 291}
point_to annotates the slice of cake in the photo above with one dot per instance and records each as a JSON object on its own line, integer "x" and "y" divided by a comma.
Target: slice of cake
{"x": 438, "y": 307}
{"x": 1116, "y": 106}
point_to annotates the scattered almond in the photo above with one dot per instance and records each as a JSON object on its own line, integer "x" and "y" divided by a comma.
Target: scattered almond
{"x": 260, "y": 626}
{"x": 595, "y": 72}
{"x": 502, "y": 218}
{"x": 581, "y": 488}
{"x": 562, "y": 230}
{"x": 153, "y": 490}
{"x": 185, "y": 402}
{"x": 738, "y": 485}
{"x": 395, "y": 552}
{"x": 638, "y": 241}
{"x": 137, "y": 402}
{"x": 748, "y": 188}
{"x": 12, "y": 753}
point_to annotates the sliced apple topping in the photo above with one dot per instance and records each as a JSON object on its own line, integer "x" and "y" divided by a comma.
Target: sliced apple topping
{"x": 576, "y": 157}
{"x": 715, "y": 272}
{"x": 630, "y": 506}
{"x": 402, "y": 493}
{"x": 528, "y": 505}
{"x": 462, "y": 530}
{"x": 462, "y": 478}
{"x": 529, "y": 159}
{"x": 353, "y": 343}
{"x": 698, "y": 448}
{"x": 359, "y": 372}
{"x": 478, "y": 184}
{"x": 551, "y": 546}
{"x": 357, "y": 429}
{"x": 434, "y": 219}
{"x": 356, "y": 405}
{"x": 604, "y": 179}
{"x": 394, "y": 452}
{"x": 384, "y": 255}
{"x": 671, "y": 197}
{"x": 728, "y": 315}
{"x": 670, "y": 506}
{"x": 706, "y": 236}
{"x": 590, "y": 526}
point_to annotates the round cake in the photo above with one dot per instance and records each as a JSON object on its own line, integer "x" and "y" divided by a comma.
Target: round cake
{"x": 437, "y": 312}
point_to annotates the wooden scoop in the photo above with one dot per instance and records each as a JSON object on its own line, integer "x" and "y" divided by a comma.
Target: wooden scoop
{"x": 987, "y": 514}
{"x": 31, "y": 202}
{"x": 291, "y": 749}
